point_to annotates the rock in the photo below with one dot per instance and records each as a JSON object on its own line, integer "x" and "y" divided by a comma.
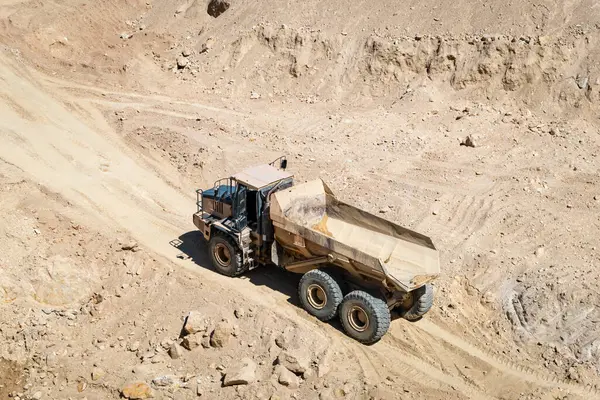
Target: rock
{"x": 488, "y": 297}
{"x": 37, "y": 395}
{"x": 129, "y": 246}
{"x": 97, "y": 373}
{"x": 573, "y": 374}
{"x": 543, "y": 40}
{"x": 281, "y": 342}
{"x": 194, "y": 322}
{"x": 134, "y": 346}
{"x": 137, "y": 391}
{"x": 125, "y": 35}
{"x": 239, "y": 313}
{"x": 287, "y": 377}
{"x": 294, "y": 362}
{"x": 242, "y": 374}
{"x": 217, "y": 7}
{"x": 307, "y": 374}
{"x": 166, "y": 343}
{"x": 190, "y": 342}
{"x": 81, "y": 386}
{"x": 186, "y": 52}
{"x": 142, "y": 27}
{"x": 175, "y": 351}
{"x": 327, "y": 394}
{"x": 205, "y": 47}
{"x": 220, "y": 336}
{"x": 469, "y": 142}
{"x": 51, "y": 360}
{"x": 205, "y": 341}
{"x": 539, "y": 252}
{"x": 182, "y": 62}
{"x": 165, "y": 380}
{"x": 582, "y": 82}
{"x": 554, "y": 131}
{"x": 254, "y": 95}
{"x": 324, "y": 364}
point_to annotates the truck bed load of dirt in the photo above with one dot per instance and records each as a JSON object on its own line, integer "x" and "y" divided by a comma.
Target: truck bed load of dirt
{"x": 312, "y": 210}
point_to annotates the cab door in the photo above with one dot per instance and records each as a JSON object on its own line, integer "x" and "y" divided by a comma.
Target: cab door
{"x": 240, "y": 204}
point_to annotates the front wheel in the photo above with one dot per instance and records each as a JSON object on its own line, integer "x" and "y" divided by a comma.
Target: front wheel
{"x": 225, "y": 256}
{"x": 364, "y": 317}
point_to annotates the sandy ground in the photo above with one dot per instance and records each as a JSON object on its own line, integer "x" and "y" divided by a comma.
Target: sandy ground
{"x": 104, "y": 140}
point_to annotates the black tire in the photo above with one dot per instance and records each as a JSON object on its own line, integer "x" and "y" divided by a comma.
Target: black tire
{"x": 226, "y": 257}
{"x": 422, "y": 302}
{"x": 320, "y": 294}
{"x": 364, "y": 317}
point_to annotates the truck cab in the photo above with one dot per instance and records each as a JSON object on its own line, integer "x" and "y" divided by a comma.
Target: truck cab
{"x": 237, "y": 208}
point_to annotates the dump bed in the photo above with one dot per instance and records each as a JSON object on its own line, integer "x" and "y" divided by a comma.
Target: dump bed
{"x": 311, "y": 211}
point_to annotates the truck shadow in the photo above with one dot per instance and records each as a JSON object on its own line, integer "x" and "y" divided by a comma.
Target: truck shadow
{"x": 193, "y": 247}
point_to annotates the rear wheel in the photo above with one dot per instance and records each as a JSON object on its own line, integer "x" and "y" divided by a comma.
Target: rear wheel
{"x": 364, "y": 317}
{"x": 226, "y": 257}
{"x": 320, "y": 294}
{"x": 422, "y": 300}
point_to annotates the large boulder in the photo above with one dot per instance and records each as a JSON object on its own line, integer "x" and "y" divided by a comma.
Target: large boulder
{"x": 242, "y": 374}
{"x": 192, "y": 341}
{"x": 175, "y": 351}
{"x": 221, "y": 335}
{"x": 217, "y": 7}
{"x": 137, "y": 391}
{"x": 286, "y": 377}
{"x": 294, "y": 361}
{"x": 194, "y": 322}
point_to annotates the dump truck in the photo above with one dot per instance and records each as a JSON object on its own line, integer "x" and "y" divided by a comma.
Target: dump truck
{"x": 355, "y": 265}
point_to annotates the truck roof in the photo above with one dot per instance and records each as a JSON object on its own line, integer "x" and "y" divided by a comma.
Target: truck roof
{"x": 260, "y": 176}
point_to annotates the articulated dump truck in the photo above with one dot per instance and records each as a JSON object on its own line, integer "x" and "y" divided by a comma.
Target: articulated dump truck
{"x": 355, "y": 265}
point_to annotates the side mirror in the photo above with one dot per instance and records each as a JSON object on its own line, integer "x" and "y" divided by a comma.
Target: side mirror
{"x": 283, "y": 164}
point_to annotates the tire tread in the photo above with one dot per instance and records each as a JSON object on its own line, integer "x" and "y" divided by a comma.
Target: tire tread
{"x": 381, "y": 315}
{"x": 422, "y": 303}
{"x": 240, "y": 268}
{"x": 332, "y": 286}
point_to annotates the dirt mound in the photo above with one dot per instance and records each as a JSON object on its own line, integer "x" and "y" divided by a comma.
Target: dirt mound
{"x": 284, "y": 60}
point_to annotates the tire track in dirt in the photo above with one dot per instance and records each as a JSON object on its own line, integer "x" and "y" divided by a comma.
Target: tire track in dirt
{"x": 162, "y": 100}
{"x": 503, "y": 365}
{"x": 409, "y": 366}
